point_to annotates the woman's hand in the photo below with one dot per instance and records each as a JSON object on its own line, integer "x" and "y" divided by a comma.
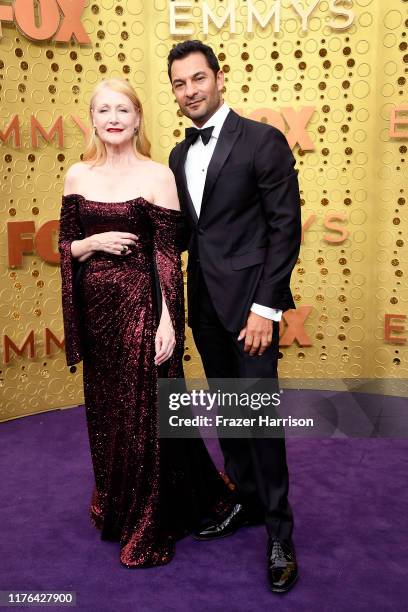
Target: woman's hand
{"x": 165, "y": 340}
{"x": 112, "y": 242}
{"x": 109, "y": 242}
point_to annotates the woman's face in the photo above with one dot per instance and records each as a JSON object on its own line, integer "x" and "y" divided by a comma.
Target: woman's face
{"x": 114, "y": 117}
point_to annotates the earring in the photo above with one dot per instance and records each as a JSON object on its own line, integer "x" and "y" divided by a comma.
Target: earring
{"x": 95, "y": 132}
{"x": 136, "y": 131}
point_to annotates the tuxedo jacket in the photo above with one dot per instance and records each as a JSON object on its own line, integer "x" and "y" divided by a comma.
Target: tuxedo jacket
{"x": 247, "y": 238}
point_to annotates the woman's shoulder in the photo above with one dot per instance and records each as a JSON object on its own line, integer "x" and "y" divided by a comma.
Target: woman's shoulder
{"x": 159, "y": 171}
{"x": 162, "y": 187}
{"x": 77, "y": 170}
{"x": 73, "y": 177}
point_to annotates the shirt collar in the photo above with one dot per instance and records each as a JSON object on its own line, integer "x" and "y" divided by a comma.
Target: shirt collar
{"x": 217, "y": 120}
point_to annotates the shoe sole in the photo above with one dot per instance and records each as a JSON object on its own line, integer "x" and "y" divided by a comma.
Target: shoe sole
{"x": 208, "y": 539}
{"x": 213, "y": 538}
{"x": 283, "y": 590}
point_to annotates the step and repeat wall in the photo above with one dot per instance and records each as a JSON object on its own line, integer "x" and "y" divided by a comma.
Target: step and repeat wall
{"x": 331, "y": 75}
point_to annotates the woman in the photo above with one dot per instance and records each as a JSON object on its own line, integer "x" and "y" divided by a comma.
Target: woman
{"x": 120, "y": 215}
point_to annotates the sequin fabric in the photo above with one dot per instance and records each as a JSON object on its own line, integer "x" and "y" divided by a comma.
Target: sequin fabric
{"x": 149, "y": 492}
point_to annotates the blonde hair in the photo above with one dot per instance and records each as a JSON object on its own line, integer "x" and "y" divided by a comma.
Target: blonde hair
{"x": 96, "y": 151}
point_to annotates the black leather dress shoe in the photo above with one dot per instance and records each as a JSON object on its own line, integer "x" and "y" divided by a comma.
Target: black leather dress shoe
{"x": 237, "y": 518}
{"x": 282, "y": 566}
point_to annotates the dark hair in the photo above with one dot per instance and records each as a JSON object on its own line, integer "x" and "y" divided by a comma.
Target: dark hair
{"x": 187, "y": 47}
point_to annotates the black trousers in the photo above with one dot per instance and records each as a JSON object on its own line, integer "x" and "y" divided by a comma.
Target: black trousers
{"x": 257, "y": 466}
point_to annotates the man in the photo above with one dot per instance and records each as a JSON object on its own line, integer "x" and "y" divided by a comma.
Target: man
{"x": 239, "y": 190}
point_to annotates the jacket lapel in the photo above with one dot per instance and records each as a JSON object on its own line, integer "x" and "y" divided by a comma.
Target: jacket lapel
{"x": 181, "y": 180}
{"x": 226, "y": 140}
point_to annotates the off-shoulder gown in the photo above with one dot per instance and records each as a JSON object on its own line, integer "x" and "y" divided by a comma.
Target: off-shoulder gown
{"x": 148, "y": 492}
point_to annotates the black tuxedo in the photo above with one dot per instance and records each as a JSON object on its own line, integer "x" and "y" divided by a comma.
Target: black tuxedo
{"x": 242, "y": 249}
{"x": 246, "y": 241}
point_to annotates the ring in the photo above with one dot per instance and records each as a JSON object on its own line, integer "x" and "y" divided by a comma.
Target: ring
{"x": 124, "y": 250}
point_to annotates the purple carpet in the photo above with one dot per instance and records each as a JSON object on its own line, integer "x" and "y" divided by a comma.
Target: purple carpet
{"x": 350, "y": 503}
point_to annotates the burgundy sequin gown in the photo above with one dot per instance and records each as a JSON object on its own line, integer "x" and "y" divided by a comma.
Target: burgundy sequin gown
{"x": 148, "y": 491}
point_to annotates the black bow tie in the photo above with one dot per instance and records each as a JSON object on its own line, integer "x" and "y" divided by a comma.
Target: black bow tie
{"x": 193, "y": 133}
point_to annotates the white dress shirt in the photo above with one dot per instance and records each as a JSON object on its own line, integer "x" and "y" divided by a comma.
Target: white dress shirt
{"x": 197, "y": 161}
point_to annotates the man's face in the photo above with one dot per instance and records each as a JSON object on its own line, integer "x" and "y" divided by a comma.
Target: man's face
{"x": 197, "y": 89}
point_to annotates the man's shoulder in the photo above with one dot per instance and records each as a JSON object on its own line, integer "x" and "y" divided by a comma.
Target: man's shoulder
{"x": 260, "y": 129}
{"x": 176, "y": 149}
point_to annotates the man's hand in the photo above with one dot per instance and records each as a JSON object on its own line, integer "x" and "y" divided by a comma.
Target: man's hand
{"x": 257, "y": 333}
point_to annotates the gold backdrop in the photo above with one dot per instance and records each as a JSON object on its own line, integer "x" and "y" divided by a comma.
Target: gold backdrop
{"x": 352, "y": 269}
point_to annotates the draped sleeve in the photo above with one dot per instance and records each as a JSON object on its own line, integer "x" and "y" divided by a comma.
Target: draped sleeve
{"x": 70, "y": 230}
{"x": 168, "y": 229}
